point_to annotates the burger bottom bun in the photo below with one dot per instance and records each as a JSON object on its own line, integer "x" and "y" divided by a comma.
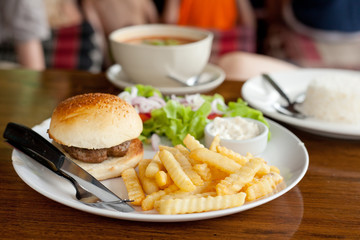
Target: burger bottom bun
{"x": 114, "y": 166}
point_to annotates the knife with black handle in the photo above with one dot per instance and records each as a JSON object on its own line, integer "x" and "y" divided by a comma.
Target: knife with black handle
{"x": 35, "y": 146}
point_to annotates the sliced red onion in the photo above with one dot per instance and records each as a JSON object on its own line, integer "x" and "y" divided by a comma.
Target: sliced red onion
{"x": 179, "y": 99}
{"x": 138, "y": 100}
{"x": 128, "y": 96}
{"x": 158, "y": 99}
{"x": 134, "y": 91}
{"x": 125, "y": 96}
{"x": 195, "y": 101}
{"x": 155, "y": 142}
{"x": 146, "y": 105}
{"x": 214, "y": 108}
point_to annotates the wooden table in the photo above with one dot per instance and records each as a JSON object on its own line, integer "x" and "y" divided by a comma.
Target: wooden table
{"x": 325, "y": 204}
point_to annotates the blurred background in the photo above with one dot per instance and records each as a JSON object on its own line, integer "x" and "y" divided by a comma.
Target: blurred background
{"x": 73, "y": 34}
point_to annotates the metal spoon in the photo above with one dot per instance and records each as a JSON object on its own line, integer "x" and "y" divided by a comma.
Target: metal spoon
{"x": 190, "y": 82}
{"x": 288, "y": 109}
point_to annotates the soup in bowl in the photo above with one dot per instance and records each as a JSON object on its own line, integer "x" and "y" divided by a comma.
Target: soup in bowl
{"x": 149, "y": 54}
{"x": 161, "y": 41}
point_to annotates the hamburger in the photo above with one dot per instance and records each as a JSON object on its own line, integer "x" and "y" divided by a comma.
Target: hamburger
{"x": 99, "y": 132}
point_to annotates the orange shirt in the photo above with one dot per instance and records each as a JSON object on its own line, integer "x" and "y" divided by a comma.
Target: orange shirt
{"x": 215, "y": 14}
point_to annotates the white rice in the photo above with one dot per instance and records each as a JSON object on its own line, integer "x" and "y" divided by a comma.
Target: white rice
{"x": 333, "y": 98}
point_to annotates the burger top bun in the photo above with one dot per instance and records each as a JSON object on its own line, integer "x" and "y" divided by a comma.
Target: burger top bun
{"x": 94, "y": 121}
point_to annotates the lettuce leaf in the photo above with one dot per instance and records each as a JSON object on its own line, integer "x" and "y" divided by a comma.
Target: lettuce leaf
{"x": 175, "y": 121}
{"x": 145, "y": 90}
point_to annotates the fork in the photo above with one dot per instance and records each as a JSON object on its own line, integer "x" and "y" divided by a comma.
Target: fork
{"x": 289, "y": 109}
{"x": 91, "y": 199}
{"x": 81, "y": 194}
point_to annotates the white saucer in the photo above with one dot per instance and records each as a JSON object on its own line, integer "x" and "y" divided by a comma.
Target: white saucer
{"x": 211, "y": 77}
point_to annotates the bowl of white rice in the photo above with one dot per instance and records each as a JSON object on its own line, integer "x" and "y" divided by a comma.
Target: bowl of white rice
{"x": 333, "y": 98}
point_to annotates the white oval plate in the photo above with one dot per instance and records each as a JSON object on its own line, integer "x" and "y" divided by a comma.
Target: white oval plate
{"x": 292, "y": 160}
{"x": 211, "y": 77}
{"x": 261, "y": 95}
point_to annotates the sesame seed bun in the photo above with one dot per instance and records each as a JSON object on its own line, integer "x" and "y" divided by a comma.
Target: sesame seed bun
{"x": 98, "y": 121}
{"x": 94, "y": 121}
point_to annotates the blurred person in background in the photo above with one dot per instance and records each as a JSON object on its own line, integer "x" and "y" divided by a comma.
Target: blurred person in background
{"x": 109, "y": 15}
{"x": 23, "y": 26}
{"x": 43, "y": 34}
{"x": 324, "y": 20}
{"x": 65, "y": 34}
{"x": 231, "y": 21}
{"x": 74, "y": 42}
{"x": 315, "y": 33}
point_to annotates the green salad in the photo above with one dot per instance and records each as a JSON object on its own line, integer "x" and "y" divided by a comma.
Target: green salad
{"x": 175, "y": 117}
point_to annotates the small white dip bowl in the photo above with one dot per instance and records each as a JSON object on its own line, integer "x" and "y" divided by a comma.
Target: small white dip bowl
{"x": 255, "y": 145}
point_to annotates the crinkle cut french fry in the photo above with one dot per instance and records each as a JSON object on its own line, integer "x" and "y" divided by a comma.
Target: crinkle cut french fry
{"x": 203, "y": 170}
{"x": 179, "y": 195}
{"x": 263, "y": 186}
{"x": 183, "y": 149}
{"x": 191, "y": 143}
{"x": 207, "y": 187}
{"x": 179, "y": 149}
{"x": 173, "y": 150}
{"x": 217, "y": 174}
{"x": 154, "y": 166}
{"x": 236, "y": 181}
{"x": 182, "y": 196}
{"x": 274, "y": 169}
{"x": 149, "y": 185}
{"x": 232, "y": 155}
{"x": 133, "y": 186}
{"x": 252, "y": 182}
{"x": 162, "y": 179}
{"x": 202, "y": 204}
{"x": 175, "y": 171}
{"x": 265, "y": 169}
{"x": 149, "y": 201}
{"x": 188, "y": 169}
{"x": 215, "y": 159}
{"x": 228, "y": 178}
{"x": 215, "y": 143}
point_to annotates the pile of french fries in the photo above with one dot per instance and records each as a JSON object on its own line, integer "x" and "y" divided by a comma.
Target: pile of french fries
{"x": 194, "y": 179}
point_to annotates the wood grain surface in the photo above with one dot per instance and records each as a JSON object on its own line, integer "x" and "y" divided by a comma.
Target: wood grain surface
{"x": 324, "y": 205}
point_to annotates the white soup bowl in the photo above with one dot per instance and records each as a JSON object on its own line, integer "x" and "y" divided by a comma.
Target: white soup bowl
{"x": 152, "y": 64}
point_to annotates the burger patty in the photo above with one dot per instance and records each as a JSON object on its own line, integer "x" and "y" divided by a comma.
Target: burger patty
{"x": 97, "y": 155}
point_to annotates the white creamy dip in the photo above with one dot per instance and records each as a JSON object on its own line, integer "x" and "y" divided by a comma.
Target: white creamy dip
{"x": 236, "y": 128}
